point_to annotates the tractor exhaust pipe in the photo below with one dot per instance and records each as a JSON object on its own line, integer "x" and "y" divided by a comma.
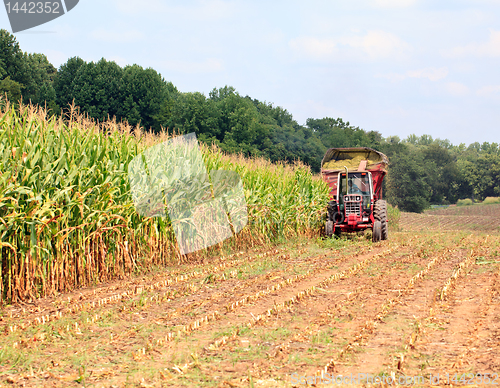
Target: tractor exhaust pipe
{"x": 346, "y": 177}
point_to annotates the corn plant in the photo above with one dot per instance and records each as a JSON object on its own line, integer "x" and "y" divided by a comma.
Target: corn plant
{"x": 67, "y": 218}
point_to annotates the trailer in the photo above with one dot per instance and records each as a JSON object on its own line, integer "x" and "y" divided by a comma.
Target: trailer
{"x": 355, "y": 177}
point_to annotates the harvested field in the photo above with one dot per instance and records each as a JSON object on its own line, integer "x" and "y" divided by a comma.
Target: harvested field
{"x": 484, "y": 218}
{"x": 417, "y": 305}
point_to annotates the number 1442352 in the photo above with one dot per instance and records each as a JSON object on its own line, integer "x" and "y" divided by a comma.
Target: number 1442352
{"x": 33, "y": 7}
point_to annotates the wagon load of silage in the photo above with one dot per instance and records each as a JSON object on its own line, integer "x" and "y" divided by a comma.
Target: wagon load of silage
{"x": 338, "y": 158}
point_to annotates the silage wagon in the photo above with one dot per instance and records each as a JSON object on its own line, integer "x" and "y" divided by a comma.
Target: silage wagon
{"x": 355, "y": 177}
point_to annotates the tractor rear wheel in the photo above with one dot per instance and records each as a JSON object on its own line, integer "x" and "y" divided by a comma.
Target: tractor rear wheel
{"x": 380, "y": 214}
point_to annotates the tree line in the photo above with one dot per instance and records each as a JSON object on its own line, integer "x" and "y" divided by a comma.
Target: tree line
{"x": 422, "y": 171}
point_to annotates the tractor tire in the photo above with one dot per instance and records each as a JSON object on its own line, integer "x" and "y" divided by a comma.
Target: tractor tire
{"x": 380, "y": 214}
{"x": 377, "y": 231}
{"x": 338, "y": 217}
{"x": 329, "y": 228}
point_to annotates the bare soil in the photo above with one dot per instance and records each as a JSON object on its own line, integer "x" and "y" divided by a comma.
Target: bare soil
{"x": 478, "y": 217}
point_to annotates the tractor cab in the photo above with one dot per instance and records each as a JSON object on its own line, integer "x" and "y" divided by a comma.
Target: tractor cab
{"x": 355, "y": 195}
{"x": 352, "y": 203}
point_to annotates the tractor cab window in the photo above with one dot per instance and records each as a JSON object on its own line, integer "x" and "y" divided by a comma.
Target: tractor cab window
{"x": 359, "y": 183}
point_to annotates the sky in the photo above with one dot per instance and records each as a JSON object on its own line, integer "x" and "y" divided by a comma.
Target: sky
{"x": 398, "y": 67}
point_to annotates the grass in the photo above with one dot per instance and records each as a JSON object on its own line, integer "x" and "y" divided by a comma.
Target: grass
{"x": 323, "y": 337}
{"x": 372, "y": 270}
{"x": 345, "y": 241}
{"x": 491, "y": 200}
{"x": 393, "y": 216}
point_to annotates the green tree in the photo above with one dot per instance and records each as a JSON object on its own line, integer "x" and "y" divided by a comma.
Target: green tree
{"x": 39, "y": 81}
{"x": 335, "y": 133}
{"x": 10, "y": 88}
{"x": 406, "y": 183}
{"x": 443, "y": 174}
{"x": 31, "y": 75}
{"x": 482, "y": 175}
{"x": 11, "y": 57}
{"x": 144, "y": 91}
{"x": 237, "y": 121}
{"x": 12, "y": 67}
{"x": 192, "y": 112}
{"x": 63, "y": 82}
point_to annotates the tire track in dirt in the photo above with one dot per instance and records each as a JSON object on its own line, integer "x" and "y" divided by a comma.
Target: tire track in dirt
{"x": 348, "y": 308}
{"x": 380, "y": 309}
{"x": 223, "y": 296}
{"x": 281, "y": 309}
{"x": 371, "y": 325}
{"x": 149, "y": 347}
{"x": 379, "y": 305}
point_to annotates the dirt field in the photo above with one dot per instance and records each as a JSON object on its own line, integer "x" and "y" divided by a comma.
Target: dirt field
{"x": 485, "y": 218}
{"x": 418, "y": 305}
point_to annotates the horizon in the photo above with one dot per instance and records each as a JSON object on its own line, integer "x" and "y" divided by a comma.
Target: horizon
{"x": 396, "y": 67}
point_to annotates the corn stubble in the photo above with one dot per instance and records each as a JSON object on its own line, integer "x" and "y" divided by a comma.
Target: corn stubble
{"x": 67, "y": 218}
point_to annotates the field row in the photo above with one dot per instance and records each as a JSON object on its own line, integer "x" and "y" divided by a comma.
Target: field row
{"x": 269, "y": 318}
{"x": 431, "y": 222}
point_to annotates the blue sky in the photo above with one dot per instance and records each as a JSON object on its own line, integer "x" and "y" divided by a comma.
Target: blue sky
{"x": 394, "y": 66}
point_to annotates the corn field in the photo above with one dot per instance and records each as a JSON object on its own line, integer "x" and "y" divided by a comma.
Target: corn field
{"x": 67, "y": 218}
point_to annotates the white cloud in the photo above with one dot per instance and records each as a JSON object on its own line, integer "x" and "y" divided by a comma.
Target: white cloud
{"x": 489, "y": 91}
{"x": 122, "y": 62}
{"x": 210, "y": 65}
{"x": 57, "y": 58}
{"x": 457, "y": 89}
{"x": 378, "y": 44}
{"x": 314, "y": 47}
{"x": 117, "y": 36}
{"x": 431, "y": 73}
{"x": 393, "y": 77}
{"x": 305, "y": 109}
{"x": 373, "y": 45}
{"x": 200, "y": 10}
{"x": 134, "y": 7}
{"x": 394, "y": 3}
{"x": 491, "y": 48}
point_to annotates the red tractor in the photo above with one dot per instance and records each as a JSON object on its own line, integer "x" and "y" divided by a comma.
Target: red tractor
{"x": 355, "y": 177}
